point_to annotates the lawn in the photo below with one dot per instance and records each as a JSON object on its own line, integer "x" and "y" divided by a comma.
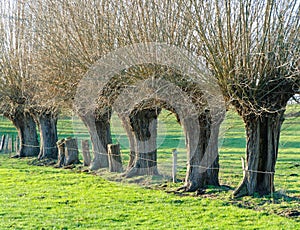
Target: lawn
{"x": 34, "y": 197}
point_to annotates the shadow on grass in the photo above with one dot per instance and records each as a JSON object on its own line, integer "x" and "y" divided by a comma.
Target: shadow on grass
{"x": 271, "y": 204}
{"x": 278, "y": 203}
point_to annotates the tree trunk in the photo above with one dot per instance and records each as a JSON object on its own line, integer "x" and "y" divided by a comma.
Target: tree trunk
{"x": 212, "y": 157}
{"x": 202, "y": 153}
{"x": 144, "y": 126}
{"x": 196, "y": 143}
{"x": 48, "y": 135}
{"x": 86, "y": 153}
{"x": 26, "y": 127}
{"x": 131, "y": 138}
{"x": 99, "y": 129}
{"x": 212, "y": 173}
{"x": 261, "y": 153}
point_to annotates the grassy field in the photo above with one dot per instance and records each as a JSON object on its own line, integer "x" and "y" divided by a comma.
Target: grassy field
{"x": 35, "y": 197}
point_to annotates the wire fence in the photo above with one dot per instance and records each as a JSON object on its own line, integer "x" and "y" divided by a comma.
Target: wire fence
{"x": 230, "y": 170}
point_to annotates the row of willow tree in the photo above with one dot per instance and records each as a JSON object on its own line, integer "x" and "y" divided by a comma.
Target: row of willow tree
{"x": 251, "y": 48}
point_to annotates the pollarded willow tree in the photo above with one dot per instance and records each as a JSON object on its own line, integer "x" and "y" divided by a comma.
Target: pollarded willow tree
{"x": 75, "y": 34}
{"x": 138, "y": 94}
{"x": 170, "y": 23}
{"x": 253, "y": 49}
{"x": 28, "y": 100}
{"x": 16, "y": 79}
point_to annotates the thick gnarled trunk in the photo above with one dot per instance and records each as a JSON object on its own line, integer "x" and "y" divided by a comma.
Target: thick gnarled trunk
{"x": 202, "y": 153}
{"x": 261, "y": 154}
{"x": 144, "y": 126}
{"x": 26, "y": 127}
{"x": 196, "y": 132}
{"x": 99, "y": 129}
{"x": 47, "y": 122}
{"x": 212, "y": 158}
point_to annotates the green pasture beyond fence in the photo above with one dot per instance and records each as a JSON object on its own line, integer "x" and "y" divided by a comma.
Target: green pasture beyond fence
{"x": 232, "y": 146}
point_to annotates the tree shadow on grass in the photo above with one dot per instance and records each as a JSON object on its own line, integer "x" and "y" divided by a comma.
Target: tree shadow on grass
{"x": 276, "y": 203}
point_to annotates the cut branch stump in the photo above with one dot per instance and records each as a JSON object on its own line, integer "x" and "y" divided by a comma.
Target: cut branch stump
{"x": 67, "y": 152}
{"x": 71, "y": 151}
{"x": 114, "y": 158}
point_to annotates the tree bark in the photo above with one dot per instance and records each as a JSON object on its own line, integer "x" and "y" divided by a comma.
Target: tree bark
{"x": 86, "y": 153}
{"x": 212, "y": 159}
{"x": 261, "y": 153}
{"x": 202, "y": 153}
{"x": 212, "y": 173}
{"x": 26, "y": 127}
{"x": 131, "y": 139}
{"x": 196, "y": 143}
{"x": 99, "y": 129}
{"x": 48, "y": 135}
{"x": 144, "y": 126}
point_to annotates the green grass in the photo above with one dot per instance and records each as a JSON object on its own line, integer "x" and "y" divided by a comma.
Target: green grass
{"x": 35, "y": 197}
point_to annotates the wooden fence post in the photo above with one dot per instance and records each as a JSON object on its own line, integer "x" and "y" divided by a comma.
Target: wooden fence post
{"x": 114, "y": 158}
{"x": 174, "y": 167}
{"x": 6, "y": 144}
{"x": 71, "y": 151}
{"x": 86, "y": 152}
{"x": 61, "y": 152}
{"x": 2, "y": 142}
{"x": 17, "y": 144}
{"x": 10, "y": 144}
{"x": 67, "y": 152}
